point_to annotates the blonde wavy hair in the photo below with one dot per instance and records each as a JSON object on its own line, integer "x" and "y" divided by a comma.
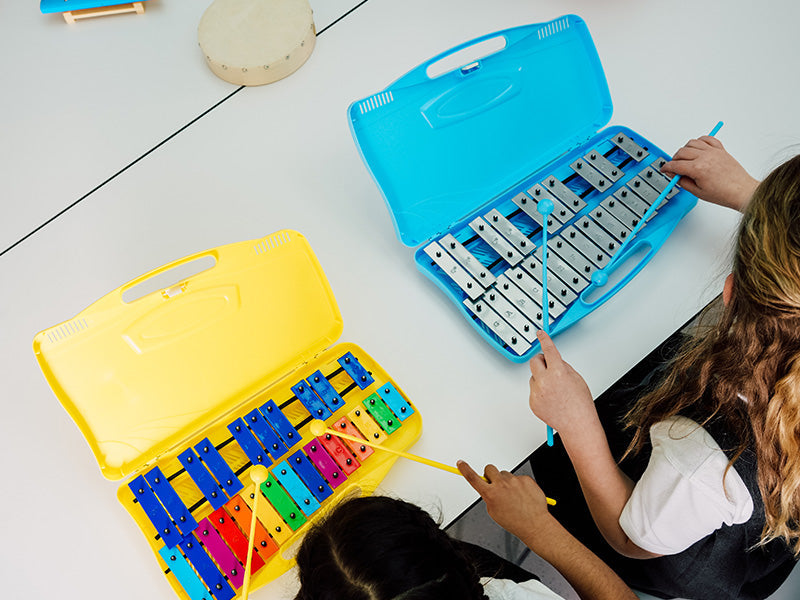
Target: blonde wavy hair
{"x": 745, "y": 368}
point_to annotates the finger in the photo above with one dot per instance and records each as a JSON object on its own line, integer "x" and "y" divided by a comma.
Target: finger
{"x": 491, "y": 473}
{"x": 475, "y": 480}
{"x": 537, "y": 366}
{"x": 686, "y": 153}
{"x": 712, "y": 141}
{"x": 681, "y": 166}
{"x": 551, "y": 354}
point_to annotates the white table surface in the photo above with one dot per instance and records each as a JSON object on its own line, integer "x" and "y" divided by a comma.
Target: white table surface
{"x": 83, "y": 101}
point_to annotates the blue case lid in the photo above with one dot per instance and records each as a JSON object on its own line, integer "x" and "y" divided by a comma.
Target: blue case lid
{"x": 441, "y": 147}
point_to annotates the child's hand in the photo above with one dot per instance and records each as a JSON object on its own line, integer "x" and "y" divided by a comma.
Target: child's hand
{"x": 559, "y": 395}
{"x": 516, "y": 503}
{"x": 710, "y": 173}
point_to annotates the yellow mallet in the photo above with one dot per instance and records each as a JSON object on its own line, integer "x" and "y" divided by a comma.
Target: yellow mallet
{"x": 258, "y": 475}
{"x": 319, "y": 428}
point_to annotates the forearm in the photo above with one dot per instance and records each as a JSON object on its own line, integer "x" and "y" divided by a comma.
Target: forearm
{"x": 605, "y": 487}
{"x": 585, "y": 572}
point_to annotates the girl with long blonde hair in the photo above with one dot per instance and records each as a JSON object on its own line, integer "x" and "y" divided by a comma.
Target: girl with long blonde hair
{"x": 714, "y": 508}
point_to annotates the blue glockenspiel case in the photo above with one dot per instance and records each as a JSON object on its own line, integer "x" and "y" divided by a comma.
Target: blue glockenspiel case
{"x": 463, "y": 158}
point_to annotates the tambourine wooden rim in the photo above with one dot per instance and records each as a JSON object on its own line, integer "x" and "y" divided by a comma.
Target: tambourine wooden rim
{"x": 255, "y": 43}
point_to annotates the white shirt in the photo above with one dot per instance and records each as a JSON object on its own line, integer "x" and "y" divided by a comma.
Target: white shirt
{"x": 505, "y": 589}
{"x": 681, "y": 498}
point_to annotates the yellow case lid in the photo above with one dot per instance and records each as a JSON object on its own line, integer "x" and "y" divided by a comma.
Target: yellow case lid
{"x": 138, "y": 377}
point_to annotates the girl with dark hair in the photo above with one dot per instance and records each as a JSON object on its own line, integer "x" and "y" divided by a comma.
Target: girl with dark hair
{"x": 715, "y": 507}
{"x": 378, "y": 548}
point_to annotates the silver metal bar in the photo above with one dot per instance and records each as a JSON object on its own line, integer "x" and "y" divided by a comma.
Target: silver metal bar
{"x": 586, "y": 246}
{"x": 657, "y": 180}
{"x": 567, "y": 197}
{"x": 555, "y": 286}
{"x": 605, "y": 166}
{"x": 631, "y": 148}
{"x": 563, "y": 269}
{"x": 510, "y": 313}
{"x": 534, "y": 289}
{"x": 467, "y": 260}
{"x": 498, "y": 326}
{"x": 598, "y": 235}
{"x": 560, "y": 211}
{"x": 631, "y": 201}
{"x": 609, "y": 220}
{"x": 520, "y": 299}
{"x": 528, "y": 206}
{"x": 455, "y": 271}
{"x": 595, "y": 178}
{"x": 646, "y": 192}
{"x": 571, "y": 256}
{"x": 498, "y": 243}
{"x": 518, "y": 239}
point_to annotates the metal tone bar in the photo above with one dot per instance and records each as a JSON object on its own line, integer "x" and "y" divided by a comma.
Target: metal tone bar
{"x": 595, "y": 178}
{"x": 246, "y": 441}
{"x": 564, "y": 270}
{"x": 567, "y": 197}
{"x": 241, "y": 513}
{"x": 561, "y": 212}
{"x": 498, "y": 326}
{"x": 528, "y": 206}
{"x": 632, "y": 201}
{"x": 534, "y": 289}
{"x": 313, "y": 403}
{"x": 282, "y": 502}
{"x": 555, "y": 287}
{"x": 657, "y": 180}
{"x": 361, "y": 451}
{"x": 646, "y": 192}
{"x": 515, "y": 295}
{"x": 340, "y": 453}
{"x": 598, "y": 235}
{"x": 607, "y": 218}
{"x": 586, "y": 246}
{"x": 218, "y": 550}
{"x": 268, "y": 516}
{"x": 310, "y": 476}
{"x": 497, "y": 242}
{"x": 453, "y": 270}
{"x": 507, "y": 229}
{"x": 366, "y": 425}
{"x": 155, "y": 512}
{"x": 324, "y": 390}
{"x": 301, "y": 495}
{"x": 572, "y": 257}
{"x": 356, "y": 370}
{"x": 172, "y": 502}
{"x": 218, "y": 467}
{"x": 467, "y": 260}
{"x": 605, "y": 166}
{"x": 395, "y": 401}
{"x": 510, "y": 313}
{"x": 191, "y": 583}
{"x": 206, "y": 568}
{"x": 378, "y": 410}
{"x": 268, "y": 438}
{"x": 631, "y": 148}
{"x": 200, "y": 475}
{"x": 280, "y": 423}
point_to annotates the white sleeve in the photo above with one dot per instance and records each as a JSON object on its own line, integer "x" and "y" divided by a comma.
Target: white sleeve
{"x": 505, "y": 589}
{"x": 680, "y": 498}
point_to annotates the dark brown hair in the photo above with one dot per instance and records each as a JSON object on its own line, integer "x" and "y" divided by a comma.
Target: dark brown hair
{"x": 379, "y": 548}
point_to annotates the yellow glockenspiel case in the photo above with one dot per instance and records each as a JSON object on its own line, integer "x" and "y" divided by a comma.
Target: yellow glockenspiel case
{"x": 181, "y": 391}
